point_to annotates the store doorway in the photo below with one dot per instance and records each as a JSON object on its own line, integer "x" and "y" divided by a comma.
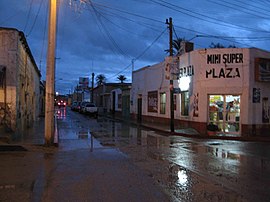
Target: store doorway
{"x": 139, "y": 109}
{"x": 224, "y": 111}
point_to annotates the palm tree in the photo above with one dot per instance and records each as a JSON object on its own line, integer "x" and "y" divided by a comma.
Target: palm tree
{"x": 100, "y": 79}
{"x": 121, "y": 78}
{"x": 216, "y": 45}
{"x": 176, "y": 45}
{"x": 219, "y": 45}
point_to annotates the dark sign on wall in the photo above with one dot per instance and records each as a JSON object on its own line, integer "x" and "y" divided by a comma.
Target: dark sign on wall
{"x": 265, "y": 110}
{"x": 262, "y": 69}
{"x": 153, "y": 101}
{"x": 256, "y": 95}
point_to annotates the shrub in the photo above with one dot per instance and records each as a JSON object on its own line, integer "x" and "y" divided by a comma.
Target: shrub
{"x": 212, "y": 127}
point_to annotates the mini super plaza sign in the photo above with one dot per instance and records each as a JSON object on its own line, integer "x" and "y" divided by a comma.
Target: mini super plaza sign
{"x": 224, "y": 69}
{"x": 223, "y": 64}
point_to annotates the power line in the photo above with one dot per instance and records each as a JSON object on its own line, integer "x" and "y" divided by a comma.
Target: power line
{"x": 44, "y": 33}
{"x": 253, "y": 5}
{"x": 110, "y": 13}
{"x": 238, "y": 8}
{"x": 31, "y": 29}
{"x": 247, "y": 9}
{"x": 141, "y": 54}
{"x": 193, "y": 14}
{"x": 111, "y": 39}
{"x": 28, "y": 15}
{"x": 129, "y": 13}
{"x": 194, "y": 31}
{"x": 116, "y": 25}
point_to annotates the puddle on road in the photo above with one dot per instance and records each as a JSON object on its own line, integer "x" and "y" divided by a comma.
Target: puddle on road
{"x": 185, "y": 185}
{"x": 82, "y": 139}
{"x": 119, "y": 134}
{"x": 221, "y": 153}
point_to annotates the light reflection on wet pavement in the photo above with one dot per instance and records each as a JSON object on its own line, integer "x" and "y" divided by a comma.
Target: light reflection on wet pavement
{"x": 233, "y": 169}
{"x": 191, "y": 169}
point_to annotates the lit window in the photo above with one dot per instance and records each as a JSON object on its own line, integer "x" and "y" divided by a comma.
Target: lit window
{"x": 184, "y": 103}
{"x": 162, "y": 103}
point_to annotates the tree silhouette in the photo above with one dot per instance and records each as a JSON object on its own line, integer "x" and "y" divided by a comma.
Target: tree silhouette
{"x": 216, "y": 45}
{"x": 176, "y": 44}
{"x": 100, "y": 79}
{"x": 121, "y": 78}
{"x": 219, "y": 45}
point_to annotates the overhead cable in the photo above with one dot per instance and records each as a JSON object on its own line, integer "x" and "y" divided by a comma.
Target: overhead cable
{"x": 209, "y": 19}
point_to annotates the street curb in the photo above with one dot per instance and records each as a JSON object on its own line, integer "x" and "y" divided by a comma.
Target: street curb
{"x": 168, "y": 133}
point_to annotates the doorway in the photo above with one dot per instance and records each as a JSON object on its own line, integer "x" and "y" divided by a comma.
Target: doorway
{"x": 139, "y": 109}
{"x": 224, "y": 111}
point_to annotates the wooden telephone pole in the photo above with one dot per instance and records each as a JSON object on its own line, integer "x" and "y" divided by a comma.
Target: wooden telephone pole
{"x": 50, "y": 75}
{"x": 170, "y": 27}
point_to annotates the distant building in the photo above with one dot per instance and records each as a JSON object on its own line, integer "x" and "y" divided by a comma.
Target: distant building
{"x": 103, "y": 98}
{"x": 227, "y": 87}
{"x": 19, "y": 84}
{"x": 120, "y": 101}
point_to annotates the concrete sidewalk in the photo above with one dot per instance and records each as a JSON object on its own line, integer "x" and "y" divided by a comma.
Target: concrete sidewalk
{"x": 80, "y": 169}
{"x": 192, "y": 133}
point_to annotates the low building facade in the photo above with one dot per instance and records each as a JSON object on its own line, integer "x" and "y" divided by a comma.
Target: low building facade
{"x": 120, "y": 101}
{"x": 106, "y": 96}
{"x": 20, "y": 82}
{"x": 226, "y": 87}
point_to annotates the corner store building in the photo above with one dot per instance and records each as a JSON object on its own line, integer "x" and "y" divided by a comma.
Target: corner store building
{"x": 229, "y": 87}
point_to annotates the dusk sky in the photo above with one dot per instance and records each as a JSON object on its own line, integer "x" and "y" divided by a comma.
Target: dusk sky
{"x": 104, "y": 36}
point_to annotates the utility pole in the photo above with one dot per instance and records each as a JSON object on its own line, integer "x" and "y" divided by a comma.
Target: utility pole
{"x": 50, "y": 75}
{"x": 170, "y": 27}
{"x": 92, "y": 92}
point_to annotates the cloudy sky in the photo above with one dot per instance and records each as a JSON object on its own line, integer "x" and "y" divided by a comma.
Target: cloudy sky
{"x": 105, "y": 36}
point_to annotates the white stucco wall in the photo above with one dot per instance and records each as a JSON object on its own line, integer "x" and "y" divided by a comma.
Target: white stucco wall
{"x": 209, "y": 79}
{"x": 214, "y": 74}
{"x": 22, "y": 79}
{"x": 147, "y": 79}
{"x": 8, "y": 50}
{"x": 117, "y": 92}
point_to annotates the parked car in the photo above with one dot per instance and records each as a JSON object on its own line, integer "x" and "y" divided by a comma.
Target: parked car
{"x": 82, "y": 105}
{"x": 77, "y": 106}
{"x": 74, "y": 106}
{"x": 90, "y": 108}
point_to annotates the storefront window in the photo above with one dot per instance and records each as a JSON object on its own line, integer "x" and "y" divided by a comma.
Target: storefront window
{"x": 224, "y": 111}
{"x": 174, "y": 102}
{"x": 162, "y": 103}
{"x": 184, "y": 103}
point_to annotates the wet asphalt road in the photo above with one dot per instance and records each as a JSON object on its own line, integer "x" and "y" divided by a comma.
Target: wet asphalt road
{"x": 107, "y": 160}
{"x": 189, "y": 169}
